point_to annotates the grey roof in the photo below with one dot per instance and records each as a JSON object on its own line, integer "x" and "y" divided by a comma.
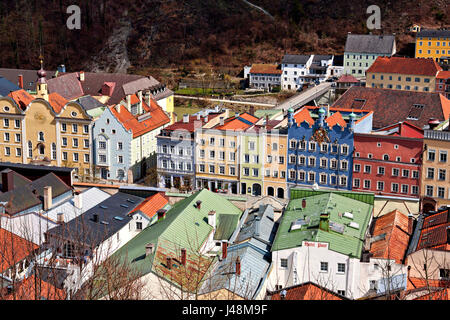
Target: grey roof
{"x": 29, "y": 77}
{"x": 112, "y": 216}
{"x": 88, "y": 102}
{"x": 34, "y": 167}
{"x": 433, "y": 33}
{"x": 18, "y": 179}
{"x": 320, "y": 57}
{"x": 295, "y": 58}
{"x": 29, "y": 195}
{"x": 369, "y": 43}
{"x": 7, "y": 86}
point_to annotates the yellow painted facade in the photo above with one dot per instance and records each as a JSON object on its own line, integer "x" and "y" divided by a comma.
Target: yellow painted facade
{"x": 398, "y": 81}
{"x": 432, "y": 47}
{"x": 435, "y": 180}
{"x": 275, "y": 165}
{"x": 38, "y": 135}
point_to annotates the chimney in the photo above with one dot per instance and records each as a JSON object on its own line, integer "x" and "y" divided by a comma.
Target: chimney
{"x": 224, "y": 249}
{"x": 161, "y": 214}
{"x": 7, "y": 180}
{"x": 128, "y": 102}
{"x": 149, "y": 249}
{"x": 77, "y": 200}
{"x": 21, "y": 81}
{"x": 60, "y": 218}
{"x": 47, "y": 197}
{"x": 324, "y": 222}
{"x": 81, "y": 76}
{"x": 267, "y": 120}
{"x": 222, "y": 121}
{"x": 212, "y": 219}
{"x": 198, "y": 204}
{"x": 169, "y": 263}
{"x": 148, "y": 96}
{"x": 95, "y": 217}
{"x": 61, "y": 68}
{"x": 410, "y": 224}
{"x": 185, "y": 118}
{"x": 140, "y": 109}
{"x": 198, "y": 116}
{"x": 238, "y": 266}
{"x": 183, "y": 256}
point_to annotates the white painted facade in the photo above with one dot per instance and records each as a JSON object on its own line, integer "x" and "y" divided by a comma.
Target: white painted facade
{"x": 290, "y": 78}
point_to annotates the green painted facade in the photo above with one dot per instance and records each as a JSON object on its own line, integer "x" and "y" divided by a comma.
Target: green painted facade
{"x": 252, "y": 157}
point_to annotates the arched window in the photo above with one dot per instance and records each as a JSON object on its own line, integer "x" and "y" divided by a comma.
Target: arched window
{"x": 41, "y": 149}
{"x": 41, "y": 136}
{"x": 53, "y": 151}
{"x": 386, "y": 157}
{"x": 30, "y": 149}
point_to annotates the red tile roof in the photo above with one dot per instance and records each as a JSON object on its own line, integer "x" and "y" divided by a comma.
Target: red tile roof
{"x": 151, "y": 205}
{"x": 348, "y": 78}
{"x": 57, "y": 102}
{"x": 22, "y": 98}
{"x": 393, "y": 106}
{"x": 336, "y": 118}
{"x": 434, "y": 231}
{"x": 394, "y": 226}
{"x": 13, "y": 249}
{"x": 443, "y": 75}
{"x": 415, "y": 283}
{"x": 412, "y": 66}
{"x": 303, "y": 115}
{"x": 307, "y": 291}
{"x": 439, "y": 294}
{"x": 191, "y": 124}
{"x": 248, "y": 117}
{"x": 265, "y": 68}
{"x": 240, "y": 123}
{"x": 158, "y": 118}
{"x": 33, "y": 288}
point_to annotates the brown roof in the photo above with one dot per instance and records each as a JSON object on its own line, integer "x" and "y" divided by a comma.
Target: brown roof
{"x": 434, "y": 233}
{"x": 392, "y": 229}
{"x": 13, "y": 249}
{"x": 413, "y": 66}
{"x": 392, "y": 106}
{"x": 306, "y": 291}
{"x": 348, "y": 78}
{"x": 67, "y": 85}
{"x": 265, "y": 68}
{"x": 29, "y": 77}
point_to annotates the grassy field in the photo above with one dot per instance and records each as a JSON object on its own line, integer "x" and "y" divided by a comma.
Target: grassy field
{"x": 185, "y": 110}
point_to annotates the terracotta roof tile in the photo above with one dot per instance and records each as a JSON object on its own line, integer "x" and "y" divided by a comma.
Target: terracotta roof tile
{"x": 443, "y": 75}
{"x": 303, "y": 115}
{"x": 336, "y": 118}
{"x": 158, "y": 118}
{"x": 348, "y": 78}
{"x": 434, "y": 232}
{"x": 394, "y": 227}
{"x": 412, "y": 66}
{"x": 22, "y": 98}
{"x": 307, "y": 291}
{"x": 33, "y": 288}
{"x": 151, "y": 205}
{"x": 57, "y": 102}
{"x": 13, "y": 249}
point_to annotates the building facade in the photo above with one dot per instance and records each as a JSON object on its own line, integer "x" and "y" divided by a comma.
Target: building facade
{"x": 403, "y": 74}
{"x": 293, "y": 67}
{"x": 275, "y": 164}
{"x": 265, "y": 76}
{"x": 320, "y": 151}
{"x": 433, "y": 44}
{"x": 435, "y": 178}
{"x": 443, "y": 83}
{"x": 362, "y": 50}
{"x": 251, "y": 160}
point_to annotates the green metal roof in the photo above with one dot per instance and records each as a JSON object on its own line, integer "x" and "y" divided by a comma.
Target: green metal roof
{"x": 349, "y": 242}
{"x": 226, "y": 224}
{"x": 184, "y": 226}
{"x": 365, "y": 197}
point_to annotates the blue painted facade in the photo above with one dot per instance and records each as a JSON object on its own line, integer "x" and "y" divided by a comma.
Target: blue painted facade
{"x": 309, "y": 164}
{"x": 176, "y": 158}
{"x": 111, "y": 148}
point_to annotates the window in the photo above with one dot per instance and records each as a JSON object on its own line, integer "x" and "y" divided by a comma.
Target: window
{"x": 212, "y": 154}
{"x": 283, "y": 263}
{"x": 323, "y": 178}
{"x": 429, "y": 191}
{"x": 431, "y": 155}
{"x": 430, "y": 173}
{"x": 442, "y": 156}
{"x": 323, "y": 162}
{"x": 356, "y": 183}
{"x": 415, "y": 189}
{"x": 281, "y": 160}
{"x": 405, "y": 188}
{"x": 101, "y": 157}
{"x": 444, "y": 273}
{"x": 138, "y": 225}
{"x": 246, "y": 158}
{"x": 222, "y": 169}
{"x": 41, "y": 136}
{"x": 120, "y": 159}
{"x": 343, "y": 181}
{"x": 344, "y": 149}
{"x": 367, "y": 169}
{"x": 357, "y": 168}
{"x": 255, "y": 172}
{"x": 292, "y": 144}
{"x": 395, "y": 172}
{"x": 312, "y": 161}
{"x": 312, "y": 146}
{"x": 344, "y": 165}
{"x": 222, "y": 142}
{"x": 74, "y": 128}
{"x": 7, "y": 151}
{"x": 86, "y": 143}
{"x": 341, "y": 267}
{"x": 292, "y": 159}
{"x": 75, "y": 157}
{"x": 232, "y": 156}
{"x": 75, "y": 142}
{"x": 367, "y": 184}
{"x": 370, "y": 156}
{"x": 6, "y": 136}
{"x": 86, "y": 157}
{"x": 232, "y": 171}
{"x": 301, "y": 160}
{"x": 120, "y": 147}
{"x": 102, "y": 145}
{"x": 6, "y": 123}
{"x": 394, "y": 187}
{"x": 380, "y": 185}
{"x": 201, "y": 167}
{"x": 18, "y": 152}
{"x": 85, "y": 128}
{"x": 381, "y": 170}
{"x": 302, "y": 145}
{"x": 212, "y": 141}
{"x": 405, "y": 173}
{"x": 221, "y": 155}
{"x": 385, "y": 157}
{"x": 292, "y": 174}
{"x": 53, "y": 151}
{"x": 333, "y": 164}
{"x": 341, "y": 292}
{"x": 251, "y": 145}
{"x": 324, "y": 266}
{"x": 324, "y": 147}
{"x": 441, "y": 192}
{"x": 442, "y": 174}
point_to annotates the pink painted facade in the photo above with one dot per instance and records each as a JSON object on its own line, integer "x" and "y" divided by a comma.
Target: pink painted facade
{"x": 388, "y": 164}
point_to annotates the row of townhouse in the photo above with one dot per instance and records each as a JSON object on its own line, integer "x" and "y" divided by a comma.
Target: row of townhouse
{"x": 108, "y": 135}
{"x": 341, "y": 148}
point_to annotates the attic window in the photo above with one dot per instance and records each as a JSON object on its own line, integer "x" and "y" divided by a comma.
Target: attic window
{"x": 415, "y": 112}
{"x": 354, "y": 225}
{"x": 124, "y": 206}
{"x": 118, "y": 218}
{"x": 74, "y": 114}
{"x": 129, "y": 200}
{"x": 6, "y": 108}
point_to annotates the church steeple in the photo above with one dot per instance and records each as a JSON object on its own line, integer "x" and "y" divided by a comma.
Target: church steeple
{"x": 41, "y": 83}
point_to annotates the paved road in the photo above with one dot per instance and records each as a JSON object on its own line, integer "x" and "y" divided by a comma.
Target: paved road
{"x": 261, "y": 104}
{"x": 304, "y": 97}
